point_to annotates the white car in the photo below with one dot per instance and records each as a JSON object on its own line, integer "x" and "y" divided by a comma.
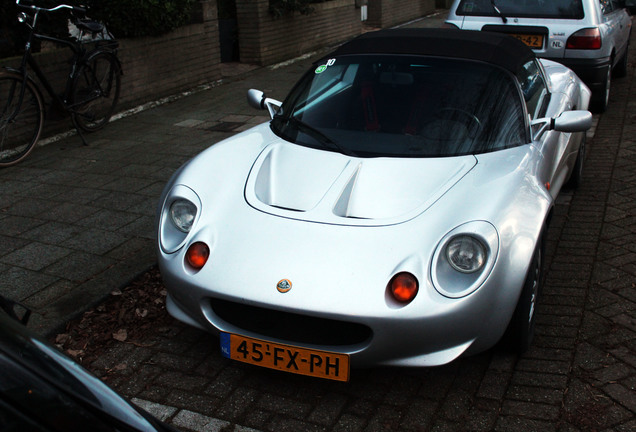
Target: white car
{"x": 393, "y": 211}
{"x": 591, "y": 37}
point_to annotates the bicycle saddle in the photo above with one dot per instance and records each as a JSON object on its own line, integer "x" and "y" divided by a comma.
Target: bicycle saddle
{"x": 90, "y": 26}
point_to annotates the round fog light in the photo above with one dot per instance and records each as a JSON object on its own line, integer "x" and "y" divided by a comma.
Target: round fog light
{"x": 403, "y": 287}
{"x": 197, "y": 255}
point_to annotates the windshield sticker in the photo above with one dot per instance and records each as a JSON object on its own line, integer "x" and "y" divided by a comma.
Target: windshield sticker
{"x": 320, "y": 69}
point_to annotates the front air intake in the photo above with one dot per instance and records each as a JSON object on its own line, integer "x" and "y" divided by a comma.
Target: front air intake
{"x": 291, "y": 327}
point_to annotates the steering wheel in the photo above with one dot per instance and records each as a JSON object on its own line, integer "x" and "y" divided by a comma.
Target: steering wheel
{"x": 451, "y": 126}
{"x": 473, "y": 125}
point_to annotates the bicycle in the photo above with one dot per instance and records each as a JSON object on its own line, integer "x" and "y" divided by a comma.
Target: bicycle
{"x": 91, "y": 91}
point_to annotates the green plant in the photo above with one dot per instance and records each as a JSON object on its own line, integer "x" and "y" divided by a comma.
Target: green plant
{"x": 13, "y": 34}
{"x": 278, "y": 8}
{"x": 124, "y": 18}
{"x": 7, "y": 27}
{"x": 135, "y": 18}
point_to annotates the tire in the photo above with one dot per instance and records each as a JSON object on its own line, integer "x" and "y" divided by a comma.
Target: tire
{"x": 20, "y": 123}
{"x": 522, "y": 325}
{"x": 620, "y": 70}
{"x": 577, "y": 171}
{"x": 95, "y": 91}
{"x": 600, "y": 99}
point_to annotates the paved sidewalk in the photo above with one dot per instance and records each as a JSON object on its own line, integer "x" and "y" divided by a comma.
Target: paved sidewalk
{"x": 76, "y": 222}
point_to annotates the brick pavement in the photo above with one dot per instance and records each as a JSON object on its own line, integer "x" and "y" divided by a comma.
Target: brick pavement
{"x": 68, "y": 212}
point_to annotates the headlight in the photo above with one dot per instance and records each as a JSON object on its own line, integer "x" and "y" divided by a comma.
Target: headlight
{"x": 464, "y": 258}
{"x": 182, "y": 214}
{"x": 466, "y": 254}
{"x": 179, "y": 214}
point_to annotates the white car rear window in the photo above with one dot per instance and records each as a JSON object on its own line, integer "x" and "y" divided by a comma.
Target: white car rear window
{"x": 556, "y": 9}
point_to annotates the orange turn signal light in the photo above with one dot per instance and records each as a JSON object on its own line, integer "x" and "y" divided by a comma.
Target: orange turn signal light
{"x": 404, "y": 287}
{"x": 197, "y": 255}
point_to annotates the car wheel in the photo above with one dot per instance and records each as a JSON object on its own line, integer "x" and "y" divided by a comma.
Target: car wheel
{"x": 521, "y": 328}
{"x": 601, "y": 97}
{"x": 621, "y": 67}
{"x": 577, "y": 171}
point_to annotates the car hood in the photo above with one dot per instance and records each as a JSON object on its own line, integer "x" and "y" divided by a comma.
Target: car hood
{"x": 302, "y": 183}
{"x": 56, "y": 383}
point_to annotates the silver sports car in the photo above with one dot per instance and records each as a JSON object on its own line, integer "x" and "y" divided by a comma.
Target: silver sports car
{"x": 392, "y": 212}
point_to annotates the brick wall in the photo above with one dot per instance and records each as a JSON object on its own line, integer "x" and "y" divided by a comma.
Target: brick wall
{"x": 186, "y": 57}
{"x": 265, "y": 40}
{"x": 388, "y": 13}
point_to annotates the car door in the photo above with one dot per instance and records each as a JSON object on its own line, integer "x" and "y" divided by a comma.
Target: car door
{"x": 622, "y": 23}
{"x": 615, "y": 26}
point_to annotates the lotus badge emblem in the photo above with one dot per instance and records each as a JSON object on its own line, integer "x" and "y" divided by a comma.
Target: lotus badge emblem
{"x": 284, "y": 285}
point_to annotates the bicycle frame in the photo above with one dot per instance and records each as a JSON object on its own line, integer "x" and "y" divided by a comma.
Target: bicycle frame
{"x": 27, "y": 59}
{"x": 85, "y": 81}
{"x": 79, "y": 52}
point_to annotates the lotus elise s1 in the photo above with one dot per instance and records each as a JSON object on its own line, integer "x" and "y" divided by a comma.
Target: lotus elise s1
{"x": 392, "y": 212}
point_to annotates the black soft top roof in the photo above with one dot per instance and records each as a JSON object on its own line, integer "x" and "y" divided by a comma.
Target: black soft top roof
{"x": 496, "y": 48}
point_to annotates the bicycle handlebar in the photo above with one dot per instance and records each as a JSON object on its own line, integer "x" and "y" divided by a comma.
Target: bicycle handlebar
{"x": 28, "y": 4}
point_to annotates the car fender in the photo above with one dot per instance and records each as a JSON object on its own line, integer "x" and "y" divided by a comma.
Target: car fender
{"x": 213, "y": 171}
{"x": 533, "y": 204}
{"x": 519, "y": 206}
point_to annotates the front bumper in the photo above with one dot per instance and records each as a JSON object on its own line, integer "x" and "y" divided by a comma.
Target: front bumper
{"x": 432, "y": 330}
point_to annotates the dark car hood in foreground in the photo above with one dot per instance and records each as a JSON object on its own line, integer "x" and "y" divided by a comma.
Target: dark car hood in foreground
{"x": 41, "y": 389}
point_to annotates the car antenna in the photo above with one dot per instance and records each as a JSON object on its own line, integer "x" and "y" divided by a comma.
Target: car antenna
{"x": 494, "y": 6}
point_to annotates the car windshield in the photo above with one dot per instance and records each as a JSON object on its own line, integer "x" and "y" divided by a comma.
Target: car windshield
{"x": 403, "y": 106}
{"x": 558, "y": 9}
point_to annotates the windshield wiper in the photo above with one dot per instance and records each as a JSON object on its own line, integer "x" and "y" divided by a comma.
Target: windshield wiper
{"x": 501, "y": 15}
{"x": 315, "y": 134}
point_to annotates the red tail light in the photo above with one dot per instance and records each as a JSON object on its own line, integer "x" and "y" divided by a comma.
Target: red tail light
{"x": 586, "y": 39}
{"x": 197, "y": 255}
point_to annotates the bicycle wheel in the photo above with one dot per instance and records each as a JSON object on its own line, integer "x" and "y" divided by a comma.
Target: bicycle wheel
{"x": 95, "y": 91}
{"x": 21, "y": 118}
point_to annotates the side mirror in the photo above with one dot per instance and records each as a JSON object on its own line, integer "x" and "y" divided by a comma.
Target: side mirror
{"x": 568, "y": 121}
{"x": 257, "y": 99}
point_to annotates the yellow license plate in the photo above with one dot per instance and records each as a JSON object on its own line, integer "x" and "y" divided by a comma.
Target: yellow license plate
{"x": 533, "y": 41}
{"x": 287, "y": 358}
